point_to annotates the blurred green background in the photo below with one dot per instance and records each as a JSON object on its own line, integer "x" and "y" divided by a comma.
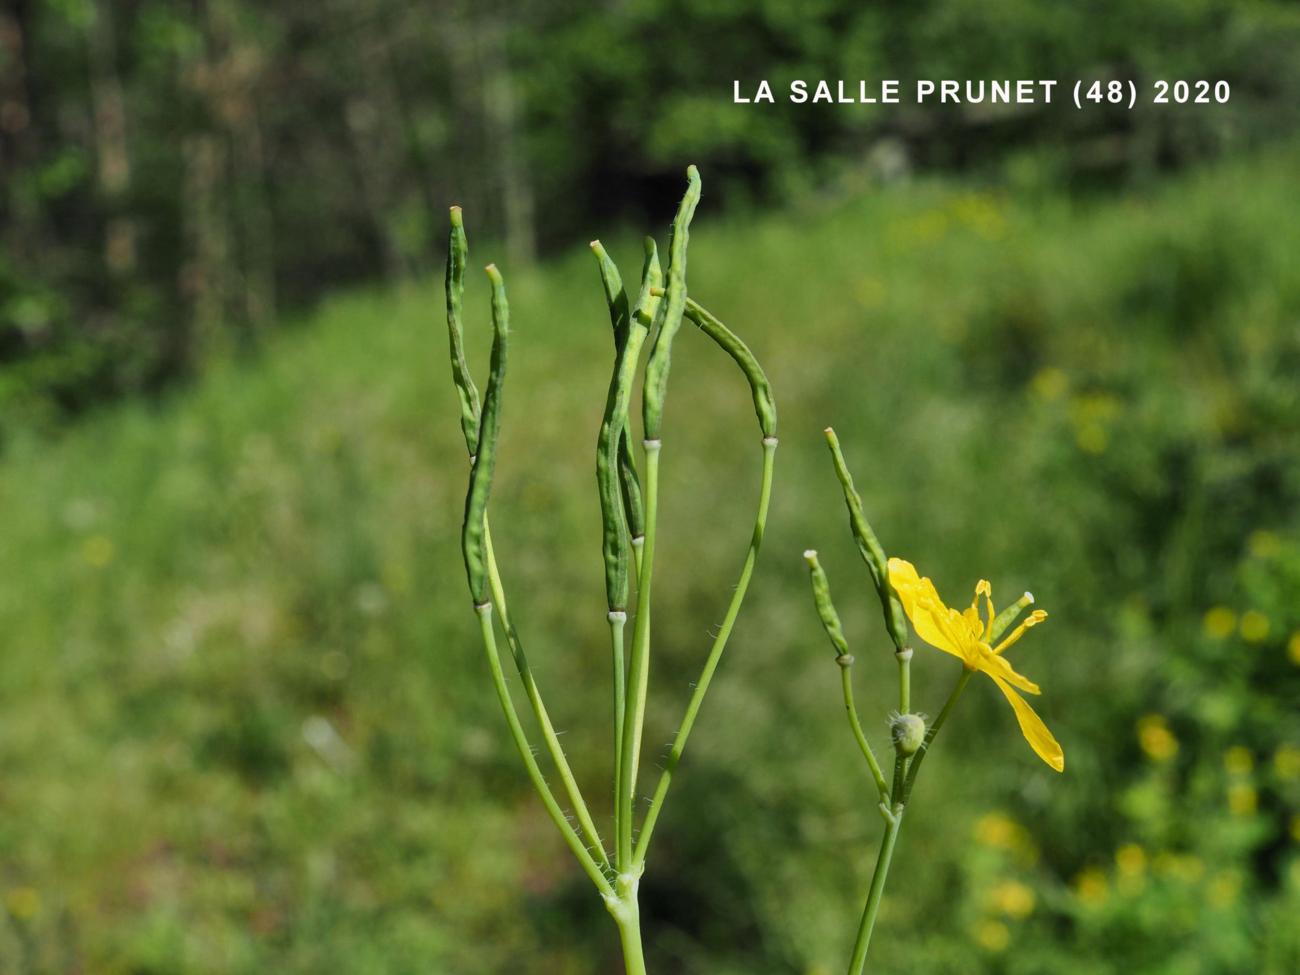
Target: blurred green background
{"x": 245, "y": 724}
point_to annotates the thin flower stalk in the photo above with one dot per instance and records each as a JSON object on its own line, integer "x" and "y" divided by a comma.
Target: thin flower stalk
{"x": 970, "y": 635}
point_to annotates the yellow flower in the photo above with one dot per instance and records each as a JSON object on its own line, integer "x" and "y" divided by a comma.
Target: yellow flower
{"x": 966, "y": 636}
{"x": 1238, "y": 760}
{"x": 1286, "y": 762}
{"x": 1254, "y": 626}
{"x": 1219, "y": 622}
{"x": 1243, "y": 800}
{"x": 992, "y": 935}
{"x": 1293, "y": 648}
{"x": 1155, "y": 738}
{"x": 1012, "y": 898}
{"x": 1131, "y": 860}
{"x": 1091, "y": 886}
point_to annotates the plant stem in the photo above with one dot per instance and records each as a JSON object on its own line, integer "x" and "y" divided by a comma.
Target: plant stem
{"x": 628, "y": 920}
{"x": 874, "y": 896}
{"x": 638, "y": 676}
{"x": 904, "y": 658}
{"x": 617, "y": 623}
{"x": 715, "y": 654}
{"x": 960, "y": 686}
{"x": 549, "y": 736}
{"x": 526, "y": 753}
{"x": 852, "y": 710}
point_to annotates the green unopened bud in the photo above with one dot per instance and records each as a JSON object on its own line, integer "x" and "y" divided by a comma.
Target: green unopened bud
{"x": 908, "y": 731}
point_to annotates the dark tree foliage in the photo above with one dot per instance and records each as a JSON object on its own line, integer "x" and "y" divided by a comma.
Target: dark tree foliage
{"x": 176, "y": 174}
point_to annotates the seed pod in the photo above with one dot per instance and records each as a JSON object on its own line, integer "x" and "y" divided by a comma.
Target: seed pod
{"x": 668, "y": 318}
{"x": 457, "y": 252}
{"x": 821, "y": 590}
{"x": 628, "y": 338}
{"x": 869, "y": 547}
{"x": 473, "y": 542}
{"x": 641, "y": 318}
{"x": 764, "y": 405}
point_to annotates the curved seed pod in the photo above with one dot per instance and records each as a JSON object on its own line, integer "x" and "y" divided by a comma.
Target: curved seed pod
{"x": 612, "y": 441}
{"x": 480, "y": 479}
{"x": 869, "y": 546}
{"x": 643, "y": 313}
{"x": 668, "y": 317}
{"x": 457, "y": 252}
{"x": 821, "y": 590}
{"x": 764, "y": 405}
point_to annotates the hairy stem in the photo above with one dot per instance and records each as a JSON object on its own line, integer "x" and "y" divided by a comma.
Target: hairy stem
{"x": 638, "y": 674}
{"x": 553, "y": 809}
{"x": 715, "y": 654}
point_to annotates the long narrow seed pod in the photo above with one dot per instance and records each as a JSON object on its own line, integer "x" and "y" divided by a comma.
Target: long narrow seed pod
{"x": 480, "y": 478}
{"x": 669, "y": 317}
{"x": 643, "y": 313}
{"x": 821, "y": 590}
{"x": 469, "y": 401}
{"x": 466, "y": 392}
{"x": 869, "y": 547}
{"x": 730, "y": 343}
{"x": 616, "y": 545}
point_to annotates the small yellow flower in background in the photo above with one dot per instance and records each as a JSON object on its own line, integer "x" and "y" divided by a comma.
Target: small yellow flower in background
{"x": 1293, "y": 648}
{"x": 1092, "y": 438}
{"x": 1295, "y": 828}
{"x": 1286, "y": 762}
{"x": 992, "y": 935}
{"x": 1012, "y": 898}
{"x": 1050, "y": 383}
{"x": 1155, "y": 737}
{"x": 97, "y": 551}
{"x": 1238, "y": 760}
{"x": 1219, "y": 622}
{"x": 1243, "y": 800}
{"x": 1131, "y": 860}
{"x": 1264, "y": 544}
{"x": 967, "y": 637}
{"x": 1224, "y": 888}
{"x": 1091, "y": 887}
{"x": 24, "y": 903}
{"x": 1254, "y": 626}
{"x": 1186, "y": 867}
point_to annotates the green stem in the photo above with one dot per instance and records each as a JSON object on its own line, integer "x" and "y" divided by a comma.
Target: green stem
{"x": 571, "y": 838}
{"x": 628, "y": 919}
{"x": 874, "y": 896}
{"x": 960, "y": 686}
{"x": 549, "y": 736}
{"x": 715, "y": 654}
{"x": 851, "y": 709}
{"x": 617, "y": 623}
{"x": 638, "y": 676}
{"x": 904, "y": 658}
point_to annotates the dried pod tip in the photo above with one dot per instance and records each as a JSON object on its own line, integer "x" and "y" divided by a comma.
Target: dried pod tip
{"x": 455, "y": 216}
{"x": 908, "y": 731}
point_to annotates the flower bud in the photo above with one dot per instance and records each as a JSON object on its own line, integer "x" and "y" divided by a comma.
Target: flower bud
{"x": 908, "y": 731}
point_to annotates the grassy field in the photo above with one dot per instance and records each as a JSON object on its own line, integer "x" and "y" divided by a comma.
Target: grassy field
{"x": 245, "y": 725}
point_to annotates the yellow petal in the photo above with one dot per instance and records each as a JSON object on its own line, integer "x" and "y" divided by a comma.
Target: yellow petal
{"x": 999, "y": 668}
{"x": 1040, "y": 739}
{"x": 1033, "y": 619}
{"x": 932, "y": 620}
